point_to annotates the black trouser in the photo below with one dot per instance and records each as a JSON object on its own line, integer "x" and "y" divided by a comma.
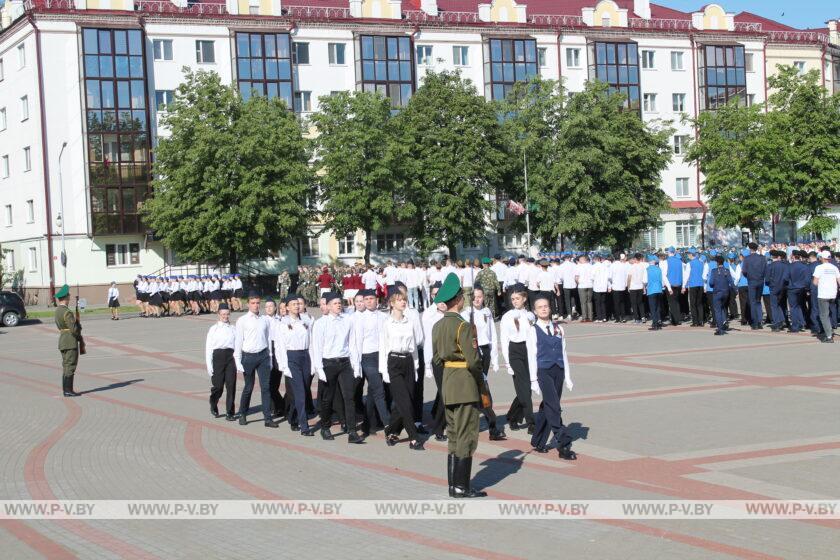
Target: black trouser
{"x": 375, "y": 402}
{"x": 569, "y": 297}
{"x": 258, "y": 363}
{"x": 768, "y": 308}
{"x": 674, "y": 305}
{"x": 340, "y": 379}
{"x": 300, "y": 367}
{"x": 400, "y": 369}
{"x": 600, "y": 305}
{"x": 223, "y": 379}
{"x": 744, "y": 303}
{"x": 655, "y": 315}
{"x": 619, "y": 298}
{"x": 278, "y": 405}
{"x": 522, "y": 406}
{"x": 636, "y": 311}
{"x": 695, "y": 304}
{"x": 559, "y": 303}
{"x": 489, "y": 414}
{"x": 439, "y": 410}
{"x": 416, "y": 388}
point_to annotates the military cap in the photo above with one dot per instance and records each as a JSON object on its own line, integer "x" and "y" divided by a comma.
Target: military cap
{"x": 223, "y": 306}
{"x": 745, "y": 252}
{"x": 437, "y": 285}
{"x": 486, "y": 260}
{"x": 692, "y": 251}
{"x": 63, "y": 292}
{"x": 518, "y": 288}
{"x": 450, "y": 288}
{"x": 253, "y": 294}
{"x": 290, "y": 298}
{"x": 329, "y": 296}
{"x": 269, "y": 299}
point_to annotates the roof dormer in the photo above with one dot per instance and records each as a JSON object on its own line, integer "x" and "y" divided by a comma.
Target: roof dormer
{"x": 713, "y": 18}
{"x": 503, "y": 11}
{"x": 606, "y": 13}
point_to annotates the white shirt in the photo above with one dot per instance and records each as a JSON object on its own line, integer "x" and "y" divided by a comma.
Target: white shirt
{"x": 500, "y": 269}
{"x": 289, "y": 335}
{"x": 431, "y": 315}
{"x": 600, "y": 277}
{"x": 410, "y": 278}
{"x": 511, "y": 276}
{"x": 557, "y": 272}
{"x": 637, "y": 275}
{"x": 390, "y": 273}
{"x": 827, "y": 275}
{"x": 367, "y": 325}
{"x": 403, "y": 336}
{"x": 436, "y": 275}
{"x": 369, "y": 279}
{"x": 618, "y": 275}
{"x": 545, "y": 280}
{"x": 522, "y": 270}
{"x": 533, "y": 276}
{"x": 333, "y": 337}
{"x": 468, "y": 277}
{"x": 221, "y": 335}
{"x": 252, "y": 336}
{"x": 585, "y": 275}
{"x": 569, "y": 270}
{"x": 509, "y": 332}
{"x": 113, "y": 293}
{"x": 531, "y": 344}
{"x": 485, "y": 330}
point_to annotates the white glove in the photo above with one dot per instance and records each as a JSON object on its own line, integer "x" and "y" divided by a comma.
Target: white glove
{"x": 509, "y": 370}
{"x": 287, "y": 373}
{"x": 495, "y": 369}
{"x": 322, "y": 376}
{"x": 535, "y": 388}
{"x": 568, "y": 383}
{"x": 357, "y": 373}
{"x": 385, "y": 377}
{"x": 429, "y": 373}
{"x": 485, "y": 379}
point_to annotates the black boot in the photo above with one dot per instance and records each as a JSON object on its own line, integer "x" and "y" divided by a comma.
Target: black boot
{"x": 450, "y": 473}
{"x": 67, "y": 386}
{"x": 463, "y": 467}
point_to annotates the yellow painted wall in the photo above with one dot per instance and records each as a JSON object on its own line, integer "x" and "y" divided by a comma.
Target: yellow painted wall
{"x": 606, "y": 8}
{"x": 245, "y": 7}
{"x": 714, "y": 17}
{"x": 384, "y": 9}
{"x": 812, "y": 56}
{"x": 127, "y": 5}
{"x": 503, "y": 10}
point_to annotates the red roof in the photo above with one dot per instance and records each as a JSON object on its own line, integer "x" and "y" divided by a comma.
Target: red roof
{"x": 766, "y": 24}
{"x": 687, "y": 204}
{"x": 663, "y": 12}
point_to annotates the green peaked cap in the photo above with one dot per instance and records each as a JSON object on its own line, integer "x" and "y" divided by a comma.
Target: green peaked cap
{"x": 62, "y": 292}
{"x": 450, "y": 288}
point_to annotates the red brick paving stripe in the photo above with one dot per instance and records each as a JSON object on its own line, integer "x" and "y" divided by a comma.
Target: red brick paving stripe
{"x": 639, "y": 527}
{"x": 45, "y": 546}
{"x": 711, "y": 350}
{"x": 769, "y": 452}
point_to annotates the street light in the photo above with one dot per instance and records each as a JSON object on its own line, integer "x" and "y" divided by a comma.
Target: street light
{"x": 61, "y": 219}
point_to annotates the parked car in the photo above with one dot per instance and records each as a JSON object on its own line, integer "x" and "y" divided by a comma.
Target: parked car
{"x": 12, "y": 310}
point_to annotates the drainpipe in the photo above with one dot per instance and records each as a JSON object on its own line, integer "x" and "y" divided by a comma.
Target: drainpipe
{"x": 45, "y": 157}
{"x": 696, "y": 95}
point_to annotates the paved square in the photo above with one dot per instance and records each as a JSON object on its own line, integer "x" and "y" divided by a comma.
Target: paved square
{"x": 676, "y": 414}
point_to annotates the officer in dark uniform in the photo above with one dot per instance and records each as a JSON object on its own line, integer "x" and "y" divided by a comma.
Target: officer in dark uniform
{"x": 800, "y": 280}
{"x": 778, "y": 277}
{"x": 456, "y": 350}
{"x": 70, "y": 334}
{"x": 753, "y": 269}
{"x": 722, "y": 285}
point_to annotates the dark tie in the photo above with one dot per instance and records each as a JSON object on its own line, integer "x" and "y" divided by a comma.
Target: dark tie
{"x": 548, "y": 330}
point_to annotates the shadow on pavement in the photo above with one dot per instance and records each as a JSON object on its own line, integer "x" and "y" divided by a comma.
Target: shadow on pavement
{"x": 498, "y": 468}
{"x": 119, "y": 385}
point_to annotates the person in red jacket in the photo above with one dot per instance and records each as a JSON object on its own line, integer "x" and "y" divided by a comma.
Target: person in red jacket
{"x": 325, "y": 281}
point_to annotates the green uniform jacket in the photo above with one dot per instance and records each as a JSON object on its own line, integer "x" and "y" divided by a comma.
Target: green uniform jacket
{"x": 69, "y": 330}
{"x": 452, "y": 339}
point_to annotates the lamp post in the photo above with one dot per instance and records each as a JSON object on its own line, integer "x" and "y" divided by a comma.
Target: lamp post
{"x": 527, "y": 203}
{"x": 61, "y": 218}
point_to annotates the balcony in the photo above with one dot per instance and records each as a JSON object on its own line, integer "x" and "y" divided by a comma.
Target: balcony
{"x": 316, "y": 12}
{"x": 661, "y": 24}
{"x": 797, "y": 37}
{"x": 168, "y": 7}
{"x": 419, "y": 16}
{"x": 556, "y": 20}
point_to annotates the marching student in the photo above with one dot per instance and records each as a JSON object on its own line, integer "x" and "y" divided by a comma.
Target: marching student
{"x": 654, "y": 283}
{"x": 278, "y": 404}
{"x": 221, "y": 365}
{"x": 513, "y": 329}
{"x": 431, "y": 315}
{"x": 722, "y": 285}
{"x": 155, "y": 298}
{"x": 237, "y": 293}
{"x": 488, "y": 347}
{"x": 400, "y": 335}
{"x": 368, "y": 325}
{"x": 114, "y": 301}
{"x": 253, "y": 357}
{"x": 549, "y": 367}
{"x": 291, "y": 346}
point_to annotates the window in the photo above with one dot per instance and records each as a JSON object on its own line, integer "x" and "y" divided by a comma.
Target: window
{"x": 676, "y": 60}
{"x": 686, "y": 233}
{"x": 309, "y": 247}
{"x": 573, "y": 58}
{"x": 389, "y": 242}
{"x": 5, "y": 168}
{"x": 606, "y": 20}
{"x": 648, "y": 60}
{"x": 748, "y": 62}
{"x": 301, "y": 53}
{"x": 33, "y": 259}
{"x": 386, "y": 67}
{"x": 750, "y": 99}
{"x": 163, "y": 49}
{"x": 682, "y": 187}
{"x": 3, "y": 118}
{"x": 8, "y": 214}
{"x": 799, "y": 65}
{"x": 21, "y": 50}
{"x": 27, "y": 159}
{"x": 336, "y": 52}
{"x": 264, "y": 65}
{"x": 9, "y": 260}
{"x": 509, "y": 239}
{"x": 835, "y": 64}
{"x": 678, "y": 102}
{"x": 424, "y": 55}
{"x": 460, "y": 56}
{"x": 508, "y": 61}
{"x": 649, "y": 103}
{"x": 205, "y": 52}
{"x": 347, "y": 245}
{"x": 118, "y": 140}
{"x": 24, "y": 108}
{"x": 680, "y": 143}
{"x": 121, "y": 254}
{"x": 541, "y": 60}
{"x": 617, "y": 64}
{"x": 654, "y": 238}
{"x": 303, "y": 101}
{"x": 163, "y": 97}
{"x": 30, "y": 211}
{"x": 722, "y": 76}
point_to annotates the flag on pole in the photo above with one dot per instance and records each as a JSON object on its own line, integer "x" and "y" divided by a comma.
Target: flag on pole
{"x": 515, "y": 208}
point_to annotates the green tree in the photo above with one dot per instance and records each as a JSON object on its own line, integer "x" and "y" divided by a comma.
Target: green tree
{"x": 232, "y": 178}
{"x": 451, "y": 154}
{"x": 357, "y": 182}
{"x": 593, "y": 166}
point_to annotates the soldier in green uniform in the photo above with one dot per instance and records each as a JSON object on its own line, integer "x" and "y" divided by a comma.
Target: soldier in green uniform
{"x": 456, "y": 350}
{"x": 70, "y": 333}
{"x": 486, "y": 278}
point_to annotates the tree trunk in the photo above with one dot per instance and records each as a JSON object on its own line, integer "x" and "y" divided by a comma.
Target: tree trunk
{"x": 367, "y": 245}
{"x": 234, "y": 265}
{"x": 450, "y": 247}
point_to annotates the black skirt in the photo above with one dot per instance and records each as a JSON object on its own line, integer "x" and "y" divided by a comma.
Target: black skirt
{"x": 113, "y": 302}
{"x": 143, "y": 296}
{"x": 216, "y": 294}
{"x": 156, "y": 299}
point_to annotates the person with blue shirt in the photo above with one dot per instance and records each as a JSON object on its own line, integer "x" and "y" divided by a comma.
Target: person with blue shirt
{"x": 672, "y": 269}
{"x": 732, "y": 304}
{"x": 707, "y": 290}
{"x": 722, "y": 284}
{"x": 778, "y": 278}
{"x": 655, "y": 282}
{"x": 800, "y": 280}
{"x": 754, "y": 269}
{"x": 697, "y": 274}
{"x": 813, "y": 300}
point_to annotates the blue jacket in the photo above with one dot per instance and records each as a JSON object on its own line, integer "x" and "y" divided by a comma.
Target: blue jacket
{"x": 754, "y": 268}
{"x": 675, "y": 270}
{"x": 695, "y": 273}
{"x": 549, "y": 349}
{"x": 654, "y": 279}
{"x": 800, "y": 276}
{"x": 712, "y": 266}
{"x": 778, "y": 276}
{"x": 721, "y": 281}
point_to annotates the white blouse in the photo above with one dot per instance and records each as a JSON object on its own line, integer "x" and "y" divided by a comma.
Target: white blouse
{"x": 403, "y": 336}
{"x": 510, "y": 332}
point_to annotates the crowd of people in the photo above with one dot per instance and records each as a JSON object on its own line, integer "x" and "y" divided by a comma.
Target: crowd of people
{"x": 193, "y": 294}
